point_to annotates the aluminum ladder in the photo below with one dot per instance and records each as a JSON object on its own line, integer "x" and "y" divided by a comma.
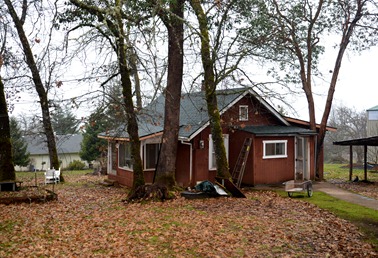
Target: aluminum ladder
{"x": 238, "y": 173}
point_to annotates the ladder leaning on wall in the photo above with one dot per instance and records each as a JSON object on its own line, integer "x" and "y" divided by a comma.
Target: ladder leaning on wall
{"x": 238, "y": 173}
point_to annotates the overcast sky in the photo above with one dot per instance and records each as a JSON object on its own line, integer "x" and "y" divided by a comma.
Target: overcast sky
{"x": 356, "y": 87}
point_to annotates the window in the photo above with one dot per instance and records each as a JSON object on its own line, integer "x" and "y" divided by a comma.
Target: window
{"x": 275, "y": 149}
{"x": 212, "y": 159}
{"x": 124, "y": 156}
{"x": 373, "y": 115}
{"x": 151, "y": 154}
{"x": 243, "y": 113}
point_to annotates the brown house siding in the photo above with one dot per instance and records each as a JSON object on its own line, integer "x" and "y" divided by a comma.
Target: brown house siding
{"x": 268, "y": 171}
{"x": 257, "y": 114}
{"x": 236, "y": 142}
{"x": 183, "y": 165}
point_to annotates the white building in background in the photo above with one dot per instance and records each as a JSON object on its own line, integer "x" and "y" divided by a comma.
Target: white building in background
{"x": 372, "y": 123}
{"x": 372, "y": 130}
{"x": 68, "y": 148}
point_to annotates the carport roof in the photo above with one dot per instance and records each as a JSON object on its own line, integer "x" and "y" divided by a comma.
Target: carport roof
{"x": 369, "y": 141}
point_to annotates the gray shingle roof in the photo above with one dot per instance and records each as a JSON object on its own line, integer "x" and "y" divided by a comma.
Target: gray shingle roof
{"x": 37, "y": 145}
{"x": 193, "y": 113}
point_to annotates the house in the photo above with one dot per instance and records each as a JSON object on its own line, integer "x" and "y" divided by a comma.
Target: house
{"x": 68, "y": 148}
{"x": 281, "y": 148}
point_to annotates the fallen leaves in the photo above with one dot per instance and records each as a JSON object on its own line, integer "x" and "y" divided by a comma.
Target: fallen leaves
{"x": 89, "y": 220}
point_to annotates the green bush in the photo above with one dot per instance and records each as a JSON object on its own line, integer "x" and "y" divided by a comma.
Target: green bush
{"x": 76, "y": 165}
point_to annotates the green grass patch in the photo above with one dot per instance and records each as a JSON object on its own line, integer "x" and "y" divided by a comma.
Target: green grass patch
{"x": 341, "y": 171}
{"x": 7, "y": 226}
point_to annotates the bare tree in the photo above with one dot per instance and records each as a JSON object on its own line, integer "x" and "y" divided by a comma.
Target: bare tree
{"x": 112, "y": 17}
{"x": 290, "y": 34}
{"x": 350, "y": 124}
{"x": 19, "y": 22}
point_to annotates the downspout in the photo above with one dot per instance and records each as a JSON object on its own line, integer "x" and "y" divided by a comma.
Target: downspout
{"x": 190, "y": 159}
{"x": 109, "y": 163}
{"x": 316, "y": 154}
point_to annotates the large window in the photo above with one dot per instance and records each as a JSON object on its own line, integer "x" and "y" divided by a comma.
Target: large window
{"x": 212, "y": 159}
{"x": 243, "y": 113}
{"x": 151, "y": 155}
{"x": 275, "y": 149}
{"x": 124, "y": 156}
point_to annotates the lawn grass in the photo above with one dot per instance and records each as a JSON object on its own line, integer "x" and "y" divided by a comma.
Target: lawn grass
{"x": 30, "y": 177}
{"x": 341, "y": 171}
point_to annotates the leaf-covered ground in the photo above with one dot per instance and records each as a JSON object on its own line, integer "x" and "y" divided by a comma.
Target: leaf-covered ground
{"x": 89, "y": 220}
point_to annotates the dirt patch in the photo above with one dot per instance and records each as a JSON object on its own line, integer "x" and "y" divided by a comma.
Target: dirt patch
{"x": 27, "y": 194}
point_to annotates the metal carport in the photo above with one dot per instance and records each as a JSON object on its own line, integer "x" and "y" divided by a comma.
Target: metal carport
{"x": 369, "y": 141}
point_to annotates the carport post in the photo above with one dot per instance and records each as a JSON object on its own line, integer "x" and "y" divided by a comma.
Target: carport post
{"x": 350, "y": 162}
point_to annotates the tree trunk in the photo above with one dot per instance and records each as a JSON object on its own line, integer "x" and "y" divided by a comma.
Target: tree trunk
{"x": 347, "y": 34}
{"x": 46, "y": 119}
{"x": 132, "y": 123}
{"x": 210, "y": 88}
{"x": 6, "y": 160}
{"x": 166, "y": 168}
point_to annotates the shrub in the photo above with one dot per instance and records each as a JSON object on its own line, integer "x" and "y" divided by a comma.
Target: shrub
{"x": 76, "y": 165}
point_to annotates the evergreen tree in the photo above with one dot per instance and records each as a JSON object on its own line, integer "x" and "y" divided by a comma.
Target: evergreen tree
{"x": 19, "y": 145}
{"x": 92, "y": 147}
{"x": 6, "y": 160}
{"x": 64, "y": 122}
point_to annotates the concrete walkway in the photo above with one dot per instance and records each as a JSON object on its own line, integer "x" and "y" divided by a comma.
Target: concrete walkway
{"x": 345, "y": 195}
{"x": 334, "y": 191}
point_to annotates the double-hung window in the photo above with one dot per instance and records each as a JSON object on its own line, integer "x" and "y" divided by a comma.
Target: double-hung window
{"x": 243, "y": 113}
{"x": 212, "y": 158}
{"x": 124, "y": 155}
{"x": 275, "y": 149}
{"x": 151, "y": 154}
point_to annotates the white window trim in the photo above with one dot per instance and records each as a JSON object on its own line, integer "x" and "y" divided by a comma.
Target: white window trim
{"x": 274, "y": 156}
{"x": 211, "y": 147}
{"x": 241, "y": 118}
